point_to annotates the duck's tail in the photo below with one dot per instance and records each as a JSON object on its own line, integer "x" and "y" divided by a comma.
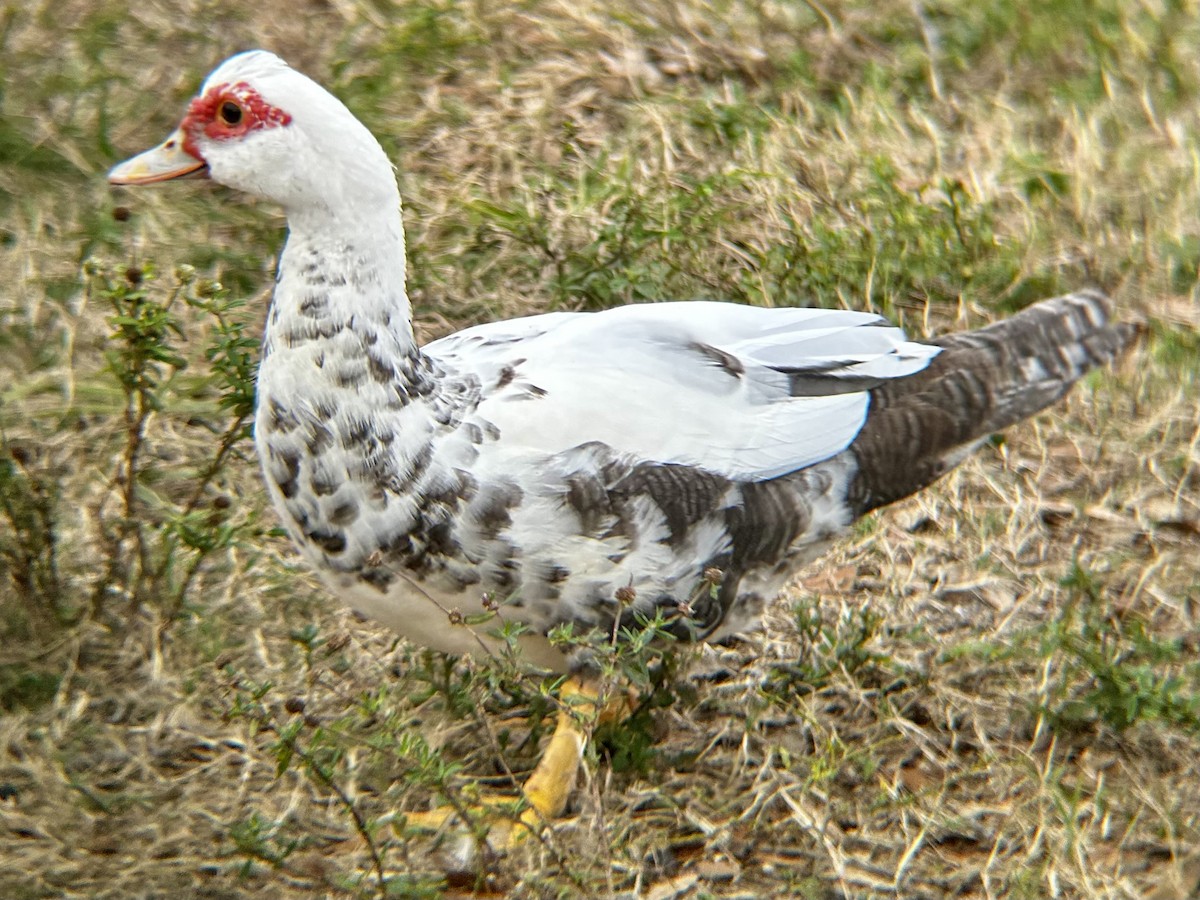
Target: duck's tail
{"x": 921, "y": 426}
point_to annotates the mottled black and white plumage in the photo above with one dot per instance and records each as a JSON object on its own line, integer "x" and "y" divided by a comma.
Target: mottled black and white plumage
{"x": 571, "y": 467}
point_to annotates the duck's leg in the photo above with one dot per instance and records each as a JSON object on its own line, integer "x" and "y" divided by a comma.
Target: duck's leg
{"x": 548, "y": 787}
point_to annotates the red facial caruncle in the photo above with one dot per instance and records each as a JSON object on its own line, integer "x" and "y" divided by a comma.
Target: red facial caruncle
{"x": 228, "y": 111}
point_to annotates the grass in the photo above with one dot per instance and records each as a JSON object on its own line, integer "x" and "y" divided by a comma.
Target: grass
{"x": 990, "y": 690}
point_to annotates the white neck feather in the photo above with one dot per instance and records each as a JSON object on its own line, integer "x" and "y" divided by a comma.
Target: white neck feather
{"x": 350, "y": 266}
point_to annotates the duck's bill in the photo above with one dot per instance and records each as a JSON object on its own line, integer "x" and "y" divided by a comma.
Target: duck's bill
{"x": 162, "y": 163}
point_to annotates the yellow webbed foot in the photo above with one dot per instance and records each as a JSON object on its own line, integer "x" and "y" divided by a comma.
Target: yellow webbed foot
{"x": 506, "y": 820}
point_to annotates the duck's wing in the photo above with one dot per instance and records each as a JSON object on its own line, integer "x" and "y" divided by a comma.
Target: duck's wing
{"x": 743, "y": 392}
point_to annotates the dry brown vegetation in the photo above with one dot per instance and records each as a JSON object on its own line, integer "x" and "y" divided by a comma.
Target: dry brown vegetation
{"x": 991, "y": 690}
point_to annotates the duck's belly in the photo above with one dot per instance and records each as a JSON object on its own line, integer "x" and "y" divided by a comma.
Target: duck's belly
{"x": 448, "y": 621}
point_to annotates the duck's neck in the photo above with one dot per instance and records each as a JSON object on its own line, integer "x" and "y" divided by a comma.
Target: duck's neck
{"x": 342, "y": 271}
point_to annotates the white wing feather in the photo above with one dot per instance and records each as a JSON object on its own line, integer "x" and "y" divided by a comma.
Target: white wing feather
{"x": 704, "y": 384}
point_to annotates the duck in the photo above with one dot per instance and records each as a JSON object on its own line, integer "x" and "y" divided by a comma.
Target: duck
{"x": 672, "y": 462}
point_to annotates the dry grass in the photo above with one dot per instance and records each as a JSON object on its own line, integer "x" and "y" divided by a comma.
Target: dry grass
{"x": 988, "y": 691}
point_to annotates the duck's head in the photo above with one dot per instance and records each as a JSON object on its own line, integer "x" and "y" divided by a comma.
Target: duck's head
{"x": 259, "y": 126}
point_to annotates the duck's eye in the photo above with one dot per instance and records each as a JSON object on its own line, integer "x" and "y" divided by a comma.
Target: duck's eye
{"x": 229, "y": 113}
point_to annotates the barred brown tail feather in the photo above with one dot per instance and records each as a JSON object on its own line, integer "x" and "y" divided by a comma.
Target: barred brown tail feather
{"x": 920, "y": 427}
